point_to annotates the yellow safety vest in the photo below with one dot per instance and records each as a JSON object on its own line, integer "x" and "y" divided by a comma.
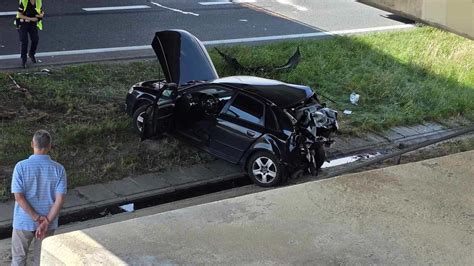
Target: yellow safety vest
{"x": 39, "y": 24}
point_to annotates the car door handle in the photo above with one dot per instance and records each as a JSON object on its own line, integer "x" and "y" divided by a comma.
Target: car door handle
{"x": 251, "y": 133}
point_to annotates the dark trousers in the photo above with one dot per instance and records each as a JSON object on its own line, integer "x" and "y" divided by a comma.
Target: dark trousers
{"x": 25, "y": 30}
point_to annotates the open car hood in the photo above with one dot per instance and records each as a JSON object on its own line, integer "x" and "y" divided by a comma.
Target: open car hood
{"x": 183, "y": 57}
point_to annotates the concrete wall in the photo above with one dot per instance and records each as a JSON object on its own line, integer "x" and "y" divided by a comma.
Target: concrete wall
{"x": 453, "y": 15}
{"x": 413, "y": 214}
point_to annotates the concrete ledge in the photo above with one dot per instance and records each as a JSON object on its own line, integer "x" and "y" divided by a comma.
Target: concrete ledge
{"x": 453, "y": 16}
{"x": 418, "y": 213}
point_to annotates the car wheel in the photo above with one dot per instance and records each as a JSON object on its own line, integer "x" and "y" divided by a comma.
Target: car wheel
{"x": 264, "y": 169}
{"x": 319, "y": 156}
{"x": 138, "y": 118}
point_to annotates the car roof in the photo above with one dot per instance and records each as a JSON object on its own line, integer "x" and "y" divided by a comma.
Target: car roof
{"x": 282, "y": 94}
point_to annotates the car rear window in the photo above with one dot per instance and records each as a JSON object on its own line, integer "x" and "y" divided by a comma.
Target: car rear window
{"x": 246, "y": 108}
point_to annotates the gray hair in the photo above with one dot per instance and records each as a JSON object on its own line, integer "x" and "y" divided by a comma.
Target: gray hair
{"x": 42, "y": 139}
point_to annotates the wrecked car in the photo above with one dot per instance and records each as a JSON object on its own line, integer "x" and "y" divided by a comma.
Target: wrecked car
{"x": 274, "y": 130}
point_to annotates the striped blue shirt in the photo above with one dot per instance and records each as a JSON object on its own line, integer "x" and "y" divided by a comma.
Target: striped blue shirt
{"x": 39, "y": 178}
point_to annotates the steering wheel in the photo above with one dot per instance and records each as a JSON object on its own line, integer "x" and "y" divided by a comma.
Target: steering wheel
{"x": 210, "y": 104}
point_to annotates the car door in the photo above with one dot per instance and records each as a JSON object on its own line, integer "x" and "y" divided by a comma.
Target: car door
{"x": 238, "y": 125}
{"x": 196, "y": 111}
{"x": 157, "y": 117}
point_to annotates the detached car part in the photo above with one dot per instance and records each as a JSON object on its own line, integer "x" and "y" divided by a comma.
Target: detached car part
{"x": 293, "y": 61}
{"x": 271, "y": 128}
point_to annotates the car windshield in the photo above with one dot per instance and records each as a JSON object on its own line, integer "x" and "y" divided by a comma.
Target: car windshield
{"x": 222, "y": 94}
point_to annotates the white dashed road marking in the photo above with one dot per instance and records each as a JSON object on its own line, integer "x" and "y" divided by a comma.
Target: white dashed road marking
{"x": 226, "y": 2}
{"x": 11, "y": 13}
{"x": 216, "y": 3}
{"x": 175, "y": 10}
{"x": 109, "y": 8}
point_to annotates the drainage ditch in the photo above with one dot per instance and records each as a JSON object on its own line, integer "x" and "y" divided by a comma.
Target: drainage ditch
{"x": 146, "y": 202}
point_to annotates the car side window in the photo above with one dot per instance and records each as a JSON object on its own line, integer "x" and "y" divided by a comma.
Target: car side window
{"x": 195, "y": 97}
{"x": 246, "y": 108}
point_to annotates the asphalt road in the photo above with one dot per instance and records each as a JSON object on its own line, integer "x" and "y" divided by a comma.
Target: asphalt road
{"x": 130, "y": 24}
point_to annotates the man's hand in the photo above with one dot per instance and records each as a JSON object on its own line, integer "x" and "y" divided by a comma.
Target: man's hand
{"x": 42, "y": 229}
{"x": 40, "y": 15}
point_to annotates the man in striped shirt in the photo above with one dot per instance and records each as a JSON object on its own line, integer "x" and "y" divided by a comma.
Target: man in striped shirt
{"x": 39, "y": 185}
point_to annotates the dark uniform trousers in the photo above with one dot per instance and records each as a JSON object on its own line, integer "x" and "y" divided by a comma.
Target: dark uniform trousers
{"x": 28, "y": 28}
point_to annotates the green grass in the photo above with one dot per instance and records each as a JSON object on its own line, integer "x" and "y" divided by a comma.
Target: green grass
{"x": 403, "y": 78}
{"x": 92, "y": 136}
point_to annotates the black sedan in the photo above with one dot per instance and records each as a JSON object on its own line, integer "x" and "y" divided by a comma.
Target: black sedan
{"x": 271, "y": 128}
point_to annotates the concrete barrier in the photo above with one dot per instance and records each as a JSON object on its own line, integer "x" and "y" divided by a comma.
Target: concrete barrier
{"x": 418, "y": 213}
{"x": 453, "y": 15}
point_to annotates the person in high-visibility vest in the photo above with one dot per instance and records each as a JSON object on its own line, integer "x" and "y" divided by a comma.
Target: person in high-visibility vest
{"x": 28, "y": 20}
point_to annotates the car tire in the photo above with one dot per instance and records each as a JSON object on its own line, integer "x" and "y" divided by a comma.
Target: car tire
{"x": 264, "y": 169}
{"x": 137, "y": 124}
{"x": 319, "y": 156}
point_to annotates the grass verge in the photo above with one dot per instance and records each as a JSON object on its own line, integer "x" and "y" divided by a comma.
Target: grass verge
{"x": 403, "y": 78}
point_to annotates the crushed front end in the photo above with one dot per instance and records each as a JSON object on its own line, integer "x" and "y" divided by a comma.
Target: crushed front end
{"x": 313, "y": 125}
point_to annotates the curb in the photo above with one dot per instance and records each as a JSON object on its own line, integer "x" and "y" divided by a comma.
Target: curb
{"x": 5, "y": 225}
{"x": 150, "y": 193}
